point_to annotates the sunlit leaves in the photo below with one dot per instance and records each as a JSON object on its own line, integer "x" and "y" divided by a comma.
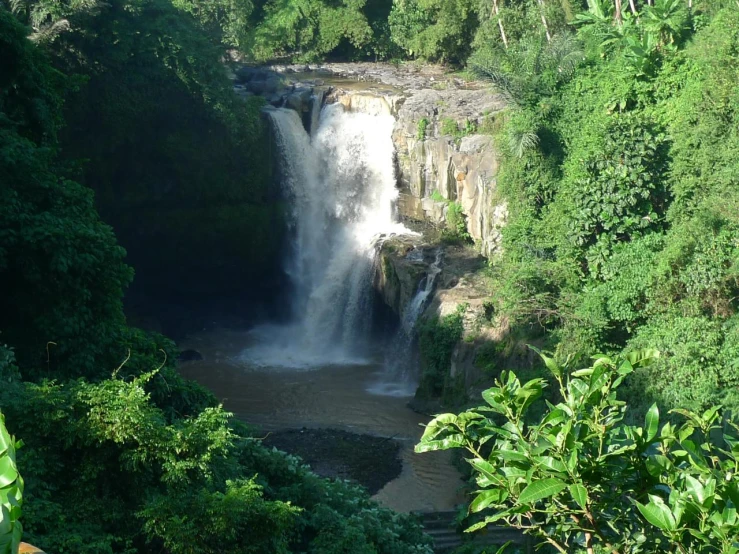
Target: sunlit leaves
{"x": 652, "y": 422}
{"x": 658, "y": 514}
{"x": 308, "y": 29}
{"x": 11, "y": 493}
{"x": 580, "y": 474}
{"x": 539, "y": 490}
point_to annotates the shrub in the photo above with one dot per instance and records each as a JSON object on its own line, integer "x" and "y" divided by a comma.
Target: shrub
{"x": 579, "y": 476}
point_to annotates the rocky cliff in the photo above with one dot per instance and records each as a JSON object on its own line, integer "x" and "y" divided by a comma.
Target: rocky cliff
{"x": 441, "y": 155}
{"x": 444, "y": 160}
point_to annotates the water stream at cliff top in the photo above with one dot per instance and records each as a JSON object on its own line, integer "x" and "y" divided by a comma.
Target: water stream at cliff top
{"x": 340, "y": 184}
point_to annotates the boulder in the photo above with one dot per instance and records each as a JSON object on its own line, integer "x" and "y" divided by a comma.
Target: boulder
{"x": 273, "y": 84}
{"x": 257, "y": 86}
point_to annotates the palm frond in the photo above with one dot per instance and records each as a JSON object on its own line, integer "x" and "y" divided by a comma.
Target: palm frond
{"x": 18, "y": 6}
{"x": 49, "y": 33}
{"x": 498, "y": 78}
{"x": 521, "y": 141}
{"x": 565, "y": 53}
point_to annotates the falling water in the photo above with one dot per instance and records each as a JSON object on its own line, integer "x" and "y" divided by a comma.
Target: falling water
{"x": 399, "y": 376}
{"x": 341, "y": 186}
{"x": 425, "y": 288}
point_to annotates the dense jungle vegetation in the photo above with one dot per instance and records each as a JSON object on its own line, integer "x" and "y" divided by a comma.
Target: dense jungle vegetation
{"x": 620, "y": 171}
{"x": 121, "y": 454}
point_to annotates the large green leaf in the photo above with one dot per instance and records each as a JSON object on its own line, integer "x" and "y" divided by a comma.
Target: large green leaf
{"x": 551, "y": 463}
{"x": 488, "y": 498}
{"x": 651, "y": 423}
{"x": 437, "y": 425}
{"x": 8, "y": 473}
{"x": 538, "y": 490}
{"x": 695, "y": 488}
{"x": 510, "y": 455}
{"x": 486, "y": 470}
{"x": 580, "y": 495}
{"x": 552, "y": 366}
{"x": 452, "y": 441}
{"x": 658, "y": 514}
{"x": 491, "y": 396}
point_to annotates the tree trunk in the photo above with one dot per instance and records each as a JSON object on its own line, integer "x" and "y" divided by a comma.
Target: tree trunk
{"x": 619, "y": 18}
{"x": 542, "y": 6}
{"x": 633, "y": 6}
{"x": 500, "y": 23}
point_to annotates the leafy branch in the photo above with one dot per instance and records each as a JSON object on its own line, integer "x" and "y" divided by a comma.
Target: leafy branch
{"x": 580, "y": 477}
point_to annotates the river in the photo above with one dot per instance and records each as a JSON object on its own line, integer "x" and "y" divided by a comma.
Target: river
{"x": 336, "y": 397}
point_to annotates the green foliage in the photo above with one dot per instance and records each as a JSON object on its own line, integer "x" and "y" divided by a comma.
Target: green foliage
{"x": 122, "y": 458}
{"x": 437, "y": 338}
{"x": 521, "y": 133}
{"x": 309, "y": 29}
{"x": 449, "y": 127}
{"x": 238, "y": 512}
{"x": 456, "y": 225}
{"x": 437, "y": 197}
{"x": 642, "y": 39}
{"x": 618, "y": 190}
{"x": 423, "y": 124}
{"x": 227, "y": 19}
{"x": 580, "y": 476}
{"x": 189, "y": 485}
{"x": 61, "y": 261}
{"x": 434, "y": 29}
{"x": 11, "y": 493}
{"x": 529, "y": 69}
{"x": 199, "y": 179}
{"x": 622, "y": 211}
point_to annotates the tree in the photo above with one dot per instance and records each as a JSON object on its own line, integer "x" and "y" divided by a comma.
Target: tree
{"x": 578, "y": 476}
{"x": 309, "y": 29}
{"x": 439, "y": 30}
{"x": 496, "y": 12}
{"x": 530, "y": 68}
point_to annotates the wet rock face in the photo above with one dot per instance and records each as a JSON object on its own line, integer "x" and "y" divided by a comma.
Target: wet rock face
{"x": 282, "y": 89}
{"x": 403, "y": 263}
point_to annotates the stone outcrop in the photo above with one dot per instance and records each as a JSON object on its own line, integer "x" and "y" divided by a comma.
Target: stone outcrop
{"x": 405, "y": 261}
{"x": 441, "y": 159}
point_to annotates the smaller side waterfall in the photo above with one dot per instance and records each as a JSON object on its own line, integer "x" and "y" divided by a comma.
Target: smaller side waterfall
{"x": 418, "y": 303}
{"x": 401, "y": 363}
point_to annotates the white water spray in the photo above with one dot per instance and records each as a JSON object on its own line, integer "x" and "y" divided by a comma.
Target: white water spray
{"x": 341, "y": 185}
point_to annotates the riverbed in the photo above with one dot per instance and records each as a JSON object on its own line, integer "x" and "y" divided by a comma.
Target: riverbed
{"x": 327, "y": 397}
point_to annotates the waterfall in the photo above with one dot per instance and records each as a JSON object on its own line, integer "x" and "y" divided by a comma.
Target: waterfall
{"x": 425, "y": 288}
{"x": 398, "y": 378}
{"x": 341, "y": 187}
